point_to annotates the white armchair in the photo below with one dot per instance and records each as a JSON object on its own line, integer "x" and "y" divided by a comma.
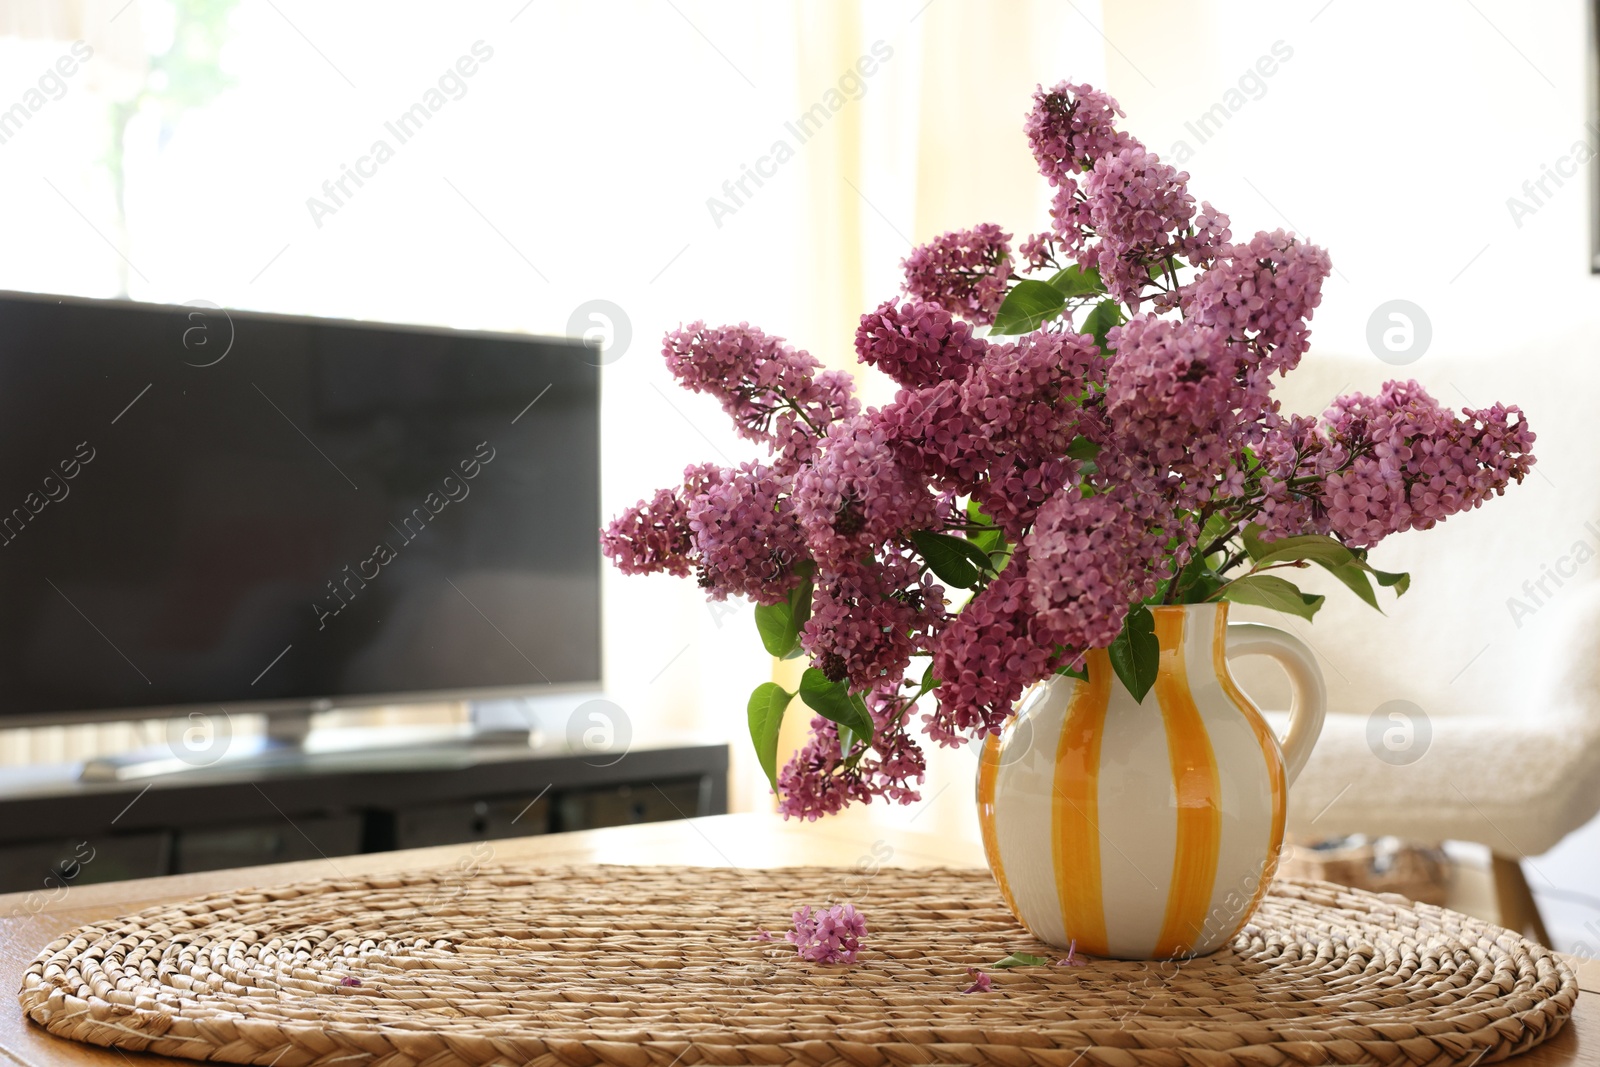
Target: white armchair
{"x": 1495, "y": 679}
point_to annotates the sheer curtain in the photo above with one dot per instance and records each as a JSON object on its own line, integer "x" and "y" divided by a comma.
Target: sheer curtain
{"x": 626, "y": 152}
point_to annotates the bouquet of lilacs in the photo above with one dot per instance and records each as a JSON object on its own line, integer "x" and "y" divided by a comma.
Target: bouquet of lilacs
{"x": 1084, "y": 428}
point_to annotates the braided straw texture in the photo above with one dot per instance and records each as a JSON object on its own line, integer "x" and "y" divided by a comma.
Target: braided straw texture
{"x": 635, "y": 966}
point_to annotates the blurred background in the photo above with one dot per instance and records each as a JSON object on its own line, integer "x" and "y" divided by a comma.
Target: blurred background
{"x": 605, "y": 153}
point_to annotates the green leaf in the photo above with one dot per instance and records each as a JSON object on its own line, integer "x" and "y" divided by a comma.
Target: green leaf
{"x": 1353, "y": 576}
{"x": 1136, "y": 654}
{"x": 1197, "y": 581}
{"x": 1399, "y": 581}
{"x": 1083, "y": 448}
{"x": 1075, "y": 281}
{"x": 989, "y": 541}
{"x": 1098, "y": 322}
{"x": 929, "y": 682}
{"x": 834, "y": 702}
{"x": 779, "y": 624}
{"x": 1029, "y": 305}
{"x": 765, "y": 710}
{"x": 1270, "y": 591}
{"x": 1251, "y": 536}
{"x": 1023, "y": 959}
{"x": 954, "y": 559}
{"x": 1316, "y": 548}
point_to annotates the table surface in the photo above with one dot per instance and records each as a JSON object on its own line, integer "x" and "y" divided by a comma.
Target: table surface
{"x": 28, "y": 924}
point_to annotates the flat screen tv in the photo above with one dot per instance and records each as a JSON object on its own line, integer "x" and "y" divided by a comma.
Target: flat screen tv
{"x": 202, "y": 507}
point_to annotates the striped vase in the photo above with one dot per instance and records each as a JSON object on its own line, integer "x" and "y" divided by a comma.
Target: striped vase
{"x": 1147, "y": 830}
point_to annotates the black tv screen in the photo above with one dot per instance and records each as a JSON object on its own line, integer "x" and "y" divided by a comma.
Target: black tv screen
{"x": 204, "y": 507}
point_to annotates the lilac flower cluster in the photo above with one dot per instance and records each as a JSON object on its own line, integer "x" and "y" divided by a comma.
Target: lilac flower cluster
{"x": 1416, "y": 463}
{"x": 747, "y": 536}
{"x": 831, "y": 935}
{"x": 964, "y": 272}
{"x": 820, "y": 780}
{"x": 770, "y": 389}
{"x": 1138, "y": 206}
{"x": 1064, "y": 476}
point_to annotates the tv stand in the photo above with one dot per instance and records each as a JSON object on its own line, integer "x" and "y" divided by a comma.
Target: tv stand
{"x": 58, "y": 830}
{"x": 289, "y": 745}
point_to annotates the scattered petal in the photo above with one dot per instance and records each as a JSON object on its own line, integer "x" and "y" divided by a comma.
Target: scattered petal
{"x": 828, "y": 936}
{"x": 981, "y": 983}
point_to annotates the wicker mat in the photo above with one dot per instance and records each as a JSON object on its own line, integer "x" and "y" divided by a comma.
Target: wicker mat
{"x": 655, "y": 965}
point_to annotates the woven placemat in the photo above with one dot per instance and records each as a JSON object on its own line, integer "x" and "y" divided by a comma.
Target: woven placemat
{"x": 654, "y": 965}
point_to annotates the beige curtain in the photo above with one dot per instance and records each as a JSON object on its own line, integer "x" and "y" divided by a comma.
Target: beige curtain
{"x": 961, "y": 78}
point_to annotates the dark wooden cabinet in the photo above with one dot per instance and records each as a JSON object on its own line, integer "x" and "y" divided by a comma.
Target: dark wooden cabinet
{"x": 55, "y": 833}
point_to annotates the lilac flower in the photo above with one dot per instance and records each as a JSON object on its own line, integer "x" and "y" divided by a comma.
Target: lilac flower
{"x": 987, "y": 656}
{"x": 867, "y": 620}
{"x": 1415, "y": 463}
{"x": 652, "y": 536}
{"x": 856, "y": 496}
{"x": 1291, "y": 448}
{"x": 819, "y": 781}
{"x": 1090, "y": 558}
{"x": 917, "y": 344}
{"x": 760, "y": 935}
{"x": 1173, "y": 395}
{"x": 1039, "y": 251}
{"x": 935, "y": 438}
{"x": 981, "y": 982}
{"x": 1015, "y": 488}
{"x": 1072, "y": 126}
{"x": 1025, "y": 397}
{"x": 963, "y": 271}
{"x": 828, "y": 936}
{"x": 1141, "y": 210}
{"x": 770, "y": 389}
{"x": 748, "y": 538}
{"x": 350, "y": 981}
{"x": 1262, "y": 293}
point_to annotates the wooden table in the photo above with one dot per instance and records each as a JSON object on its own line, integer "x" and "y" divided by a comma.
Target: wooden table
{"x": 724, "y": 840}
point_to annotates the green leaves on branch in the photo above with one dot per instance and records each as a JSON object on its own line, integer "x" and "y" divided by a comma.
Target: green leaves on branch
{"x": 1098, "y": 323}
{"x": 1083, "y": 449}
{"x": 991, "y": 539}
{"x": 955, "y": 560}
{"x": 1344, "y": 563}
{"x": 1399, "y": 581}
{"x": 1270, "y": 591}
{"x": 1028, "y": 306}
{"x": 765, "y": 710}
{"x": 779, "y": 624}
{"x": 1075, "y": 281}
{"x": 834, "y": 702}
{"x": 1136, "y": 654}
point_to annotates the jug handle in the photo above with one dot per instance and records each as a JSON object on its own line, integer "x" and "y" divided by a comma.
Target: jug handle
{"x": 1309, "y": 696}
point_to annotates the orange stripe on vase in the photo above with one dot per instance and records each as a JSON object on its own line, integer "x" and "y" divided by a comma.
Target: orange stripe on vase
{"x": 1199, "y": 791}
{"x": 1075, "y": 809}
{"x": 988, "y": 776}
{"x": 1269, "y": 751}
